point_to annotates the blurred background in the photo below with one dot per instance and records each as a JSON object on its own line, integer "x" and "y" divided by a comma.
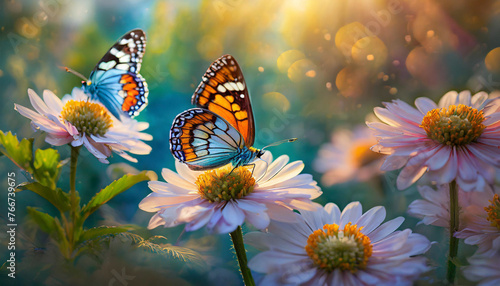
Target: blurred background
{"x": 315, "y": 70}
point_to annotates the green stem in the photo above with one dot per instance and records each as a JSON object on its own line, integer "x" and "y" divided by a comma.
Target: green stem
{"x": 239, "y": 247}
{"x": 75, "y": 151}
{"x": 72, "y": 176}
{"x": 454, "y": 223}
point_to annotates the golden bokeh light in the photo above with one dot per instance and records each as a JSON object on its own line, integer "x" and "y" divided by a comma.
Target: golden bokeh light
{"x": 492, "y": 60}
{"x": 370, "y": 52}
{"x": 275, "y": 100}
{"x": 350, "y": 81}
{"x": 348, "y": 35}
{"x": 427, "y": 68}
{"x": 286, "y": 59}
{"x": 301, "y": 69}
{"x": 311, "y": 73}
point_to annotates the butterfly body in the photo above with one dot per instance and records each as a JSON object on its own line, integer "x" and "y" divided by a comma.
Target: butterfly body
{"x": 115, "y": 81}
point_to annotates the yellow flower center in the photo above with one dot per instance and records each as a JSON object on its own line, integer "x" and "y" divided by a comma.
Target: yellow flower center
{"x": 218, "y": 185}
{"x": 362, "y": 155}
{"x": 493, "y": 211}
{"x": 347, "y": 249}
{"x": 455, "y": 125}
{"x": 87, "y": 117}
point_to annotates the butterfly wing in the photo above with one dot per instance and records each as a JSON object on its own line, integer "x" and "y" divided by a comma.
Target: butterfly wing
{"x": 203, "y": 140}
{"x": 223, "y": 91}
{"x": 115, "y": 80}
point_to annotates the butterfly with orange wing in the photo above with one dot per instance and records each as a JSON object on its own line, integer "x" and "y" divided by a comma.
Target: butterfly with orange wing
{"x": 221, "y": 130}
{"x": 115, "y": 80}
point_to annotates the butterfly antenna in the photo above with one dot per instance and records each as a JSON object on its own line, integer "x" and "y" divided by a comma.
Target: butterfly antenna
{"x": 280, "y": 142}
{"x": 74, "y": 72}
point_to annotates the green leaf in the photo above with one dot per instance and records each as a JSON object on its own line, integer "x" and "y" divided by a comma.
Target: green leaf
{"x": 56, "y": 197}
{"x": 50, "y": 225}
{"x": 47, "y": 167}
{"x": 47, "y": 223}
{"x": 21, "y": 153}
{"x": 115, "y": 188}
{"x": 43, "y": 220}
{"x": 99, "y": 232}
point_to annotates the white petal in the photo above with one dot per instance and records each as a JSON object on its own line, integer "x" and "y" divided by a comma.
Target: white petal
{"x": 38, "y": 103}
{"x": 52, "y": 101}
{"x": 289, "y": 171}
{"x": 267, "y": 260}
{"x": 425, "y": 104}
{"x": 450, "y": 98}
{"x": 385, "y": 229}
{"x": 351, "y": 213}
{"x": 259, "y": 220}
{"x": 371, "y": 219}
{"x": 232, "y": 214}
{"x": 174, "y": 179}
{"x": 334, "y": 212}
{"x": 275, "y": 167}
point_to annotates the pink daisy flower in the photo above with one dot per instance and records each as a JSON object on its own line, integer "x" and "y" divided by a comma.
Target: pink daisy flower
{"x": 222, "y": 201}
{"x": 348, "y": 157}
{"x": 456, "y": 139}
{"x": 330, "y": 247}
{"x": 483, "y": 269}
{"x": 482, "y": 224}
{"x": 77, "y": 120}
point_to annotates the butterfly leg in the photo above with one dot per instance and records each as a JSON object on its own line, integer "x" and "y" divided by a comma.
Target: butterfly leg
{"x": 253, "y": 167}
{"x": 231, "y": 171}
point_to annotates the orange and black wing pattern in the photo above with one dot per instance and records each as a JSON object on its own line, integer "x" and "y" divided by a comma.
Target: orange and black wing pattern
{"x": 224, "y": 92}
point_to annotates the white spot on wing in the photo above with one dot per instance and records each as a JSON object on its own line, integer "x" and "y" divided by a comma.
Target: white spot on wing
{"x": 122, "y": 67}
{"x": 221, "y": 88}
{"x": 124, "y": 59}
{"x": 107, "y": 65}
{"x": 235, "y": 87}
{"x": 228, "y": 86}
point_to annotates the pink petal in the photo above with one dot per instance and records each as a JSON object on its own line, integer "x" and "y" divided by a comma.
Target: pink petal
{"x": 52, "y": 101}
{"x": 450, "y": 98}
{"x": 425, "y": 104}
{"x": 351, "y": 213}
{"x": 38, "y": 103}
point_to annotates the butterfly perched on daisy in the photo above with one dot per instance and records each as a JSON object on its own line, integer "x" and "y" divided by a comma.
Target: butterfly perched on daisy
{"x": 115, "y": 80}
{"x": 221, "y": 129}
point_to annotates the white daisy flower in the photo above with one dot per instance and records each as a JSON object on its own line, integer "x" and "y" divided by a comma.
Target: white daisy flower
{"x": 78, "y": 120}
{"x": 482, "y": 224}
{"x": 456, "y": 139}
{"x": 434, "y": 207}
{"x": 222, "y": 200}
{"x": 348, "y": 157}
{"x": 483, "y": 269}
{"x": 330, "y": 247}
